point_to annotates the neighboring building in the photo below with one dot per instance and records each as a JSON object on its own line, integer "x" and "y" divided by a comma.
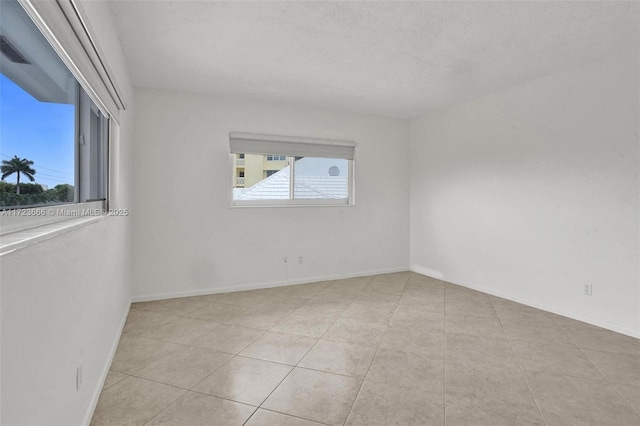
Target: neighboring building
{"x": 315, "y": 178}
{"x": 249, "y": 169}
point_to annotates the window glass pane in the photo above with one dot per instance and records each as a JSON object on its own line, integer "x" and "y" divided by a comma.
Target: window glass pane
{"x": 257, "y": 177}
{"x": 93, "y": 151}
{"x": 320, "y": 178}
{"x": 38, "y": 110}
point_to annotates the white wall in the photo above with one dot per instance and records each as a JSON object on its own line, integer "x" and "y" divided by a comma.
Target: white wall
{"x": 532, "y": 192}
{"x": 63, "y": 300}
{"x": 186, "y": 238}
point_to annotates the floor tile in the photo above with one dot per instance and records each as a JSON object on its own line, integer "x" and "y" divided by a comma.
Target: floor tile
{"x": 486, "y": 394}
{"x": 371, "y": 313}
{"x": 217, "y": 312}
{"x": 377, "y": 299}
{"x": 283, "y": 301}
{"x": 617, "y": 368}
{"x": 599, "y": 339}
{"x": 535, "y": 332}
{"x": 492, "y": 410}
{"x": 489, "y": 328}
{"x": 245, "y": 380}
{"x": 227, "y": 338}
{"x": 394, "y": 277}
{"x": 304, "y": 325}
{"x": 567, "y": 400}
{"x": 112, "y": 378}
{"x": 243, "y": 298}
{"x": 631, "y": 394}
{"x": 411, "y": 316}
{"x": 262, "y": 317}
{"x": 197, "y": 409}
{"x": 385, "y": 286}
{"x": 271, "y": 418}
{"x": 135, "y": 352}
{"x": 507, "y": 310}
{"x": 554, "y": 359}
{"x": 433, "y": 304}
{"x": 303, "y": 291}
{"x": 140, "y": 321}
{"x": 466, "y": 306}
{"x": 183, "y": 367}
{"x": 356, "y": 331}
{"x": 344, "y": 296}
{"x": 408, "y": 370}
{"x": 570, "y": 322}
{"x": 453, "y": 291}
{"x": 133, "y": 401}
{"x": 472, "y": 354}
{"x": 315, "y": 395}
{"x": 321, "y": 309}
{"x": 180, "y": 330}
{"x": 338, "y": 357}
{"x": 423, "y": 291}
{"x": 353, "y": 284}
{"x": 388, "y": 404}
{"x": 425, "y": 341}
{"x": 279, "y": 347}
{"x": 414, "y": 340}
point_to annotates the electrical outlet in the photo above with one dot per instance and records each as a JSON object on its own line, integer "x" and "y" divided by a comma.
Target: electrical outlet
{"x": 300, "y": 260}
{"x": 78, "y": 377}
{"x": 285, "y": 261}
{"x": 588, "y": 289}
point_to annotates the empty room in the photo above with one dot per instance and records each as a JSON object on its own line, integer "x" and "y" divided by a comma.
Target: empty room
{"x": 319, "y": 213}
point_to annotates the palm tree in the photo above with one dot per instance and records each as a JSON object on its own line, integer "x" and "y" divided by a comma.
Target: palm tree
{"x": 17, "y": 165}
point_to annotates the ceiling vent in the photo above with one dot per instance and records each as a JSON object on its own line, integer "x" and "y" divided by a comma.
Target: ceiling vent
{"x": 11, "y": 52}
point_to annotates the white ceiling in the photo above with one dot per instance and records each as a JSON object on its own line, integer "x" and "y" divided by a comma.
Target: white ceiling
{"x": 391, "y": 58}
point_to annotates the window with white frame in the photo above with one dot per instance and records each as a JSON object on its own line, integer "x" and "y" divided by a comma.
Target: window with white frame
{"x": 57, "y": 113}
{"x": 313, "y": 171}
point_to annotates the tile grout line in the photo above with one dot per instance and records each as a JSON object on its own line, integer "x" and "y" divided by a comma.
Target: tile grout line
{"x": 355, "y": 399}
{"x": 292, "y": 415}
{"x": 606, "y": 379}
{"x": 444, "y": 315}
{"x": 305, "y": 301}
{"x": 190, "y": 389}
{"x": 524, "y": 376}
{"x": 292, "y": 369}
{"x": 208, "y": 375}
{"x": 374, "y": 355}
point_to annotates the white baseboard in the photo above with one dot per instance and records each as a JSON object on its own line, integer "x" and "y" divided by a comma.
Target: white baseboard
{"x": 426, "y": 271}
{"x": 573, "y": 315}
{"x": 256, "y": 286}
{"x": 105, "y": 371}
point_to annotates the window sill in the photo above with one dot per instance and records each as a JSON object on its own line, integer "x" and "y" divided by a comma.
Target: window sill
{"x": 285, "y": 205}
{"x": 27, "y": 237}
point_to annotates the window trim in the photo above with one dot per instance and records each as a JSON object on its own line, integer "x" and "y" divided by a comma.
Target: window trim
{"x": 67, "y": 31}
{"x": 292, "y": 147}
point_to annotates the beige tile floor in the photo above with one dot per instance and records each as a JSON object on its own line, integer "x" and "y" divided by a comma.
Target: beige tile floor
{"x": 395, "y": 349}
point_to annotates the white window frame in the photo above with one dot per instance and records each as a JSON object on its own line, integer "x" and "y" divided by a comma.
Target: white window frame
{"x": 65, "y": 27}
{"x": 291, "y": 147}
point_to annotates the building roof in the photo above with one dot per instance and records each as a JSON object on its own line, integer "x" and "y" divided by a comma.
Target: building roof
{"x": 312, "y": 182}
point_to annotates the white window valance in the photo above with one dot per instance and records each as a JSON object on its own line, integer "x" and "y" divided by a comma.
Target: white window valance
{"x": 250, "y": 143}
{"x": 63, "y": 24}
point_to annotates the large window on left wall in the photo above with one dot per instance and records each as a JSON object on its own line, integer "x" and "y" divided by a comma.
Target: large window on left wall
{"x": 53, "y": 137}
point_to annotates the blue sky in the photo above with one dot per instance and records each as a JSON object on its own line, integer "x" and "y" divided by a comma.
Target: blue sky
{"x": 38, "y": 131}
